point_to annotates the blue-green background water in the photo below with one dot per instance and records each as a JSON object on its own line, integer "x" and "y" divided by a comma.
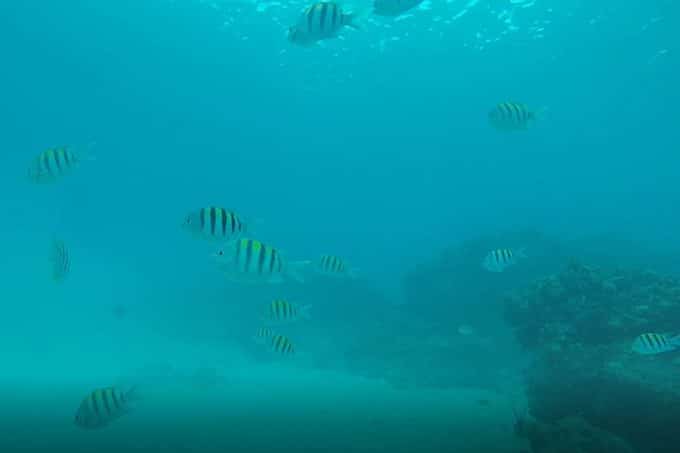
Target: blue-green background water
{"x": 375, "y": 147}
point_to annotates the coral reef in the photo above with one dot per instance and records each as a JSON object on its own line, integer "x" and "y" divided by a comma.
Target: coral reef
{"x": 580, "y": 324}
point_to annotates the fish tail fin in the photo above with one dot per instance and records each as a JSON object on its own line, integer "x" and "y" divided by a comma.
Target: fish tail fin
{"x": 253, "y": 224}
{"x": 521, "y": 252}
{"x": 305, "y": 312}
{"x": 88, "y": 154}
{"x": 353, "y": 273}
{"x": 354, "y": 18}
{"x": 297, "y": 269}
{"x": 133, "y": 394}
{"x": 675, "y": 340}
{"x": 540, "y": 114}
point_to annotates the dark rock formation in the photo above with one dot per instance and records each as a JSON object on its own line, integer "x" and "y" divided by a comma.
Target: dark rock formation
{"x": 569, "y": 435}
{"x": 580, "y": 325}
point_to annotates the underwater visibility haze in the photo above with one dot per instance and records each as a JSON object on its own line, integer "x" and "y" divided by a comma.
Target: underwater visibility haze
{"x": 362, "y": 225}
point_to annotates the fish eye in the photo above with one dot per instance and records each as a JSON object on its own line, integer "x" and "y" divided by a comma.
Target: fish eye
{"x": 220, "y": 252}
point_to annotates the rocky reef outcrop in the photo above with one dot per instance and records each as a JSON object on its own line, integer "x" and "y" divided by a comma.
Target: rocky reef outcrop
{"x": 449, "y": 330}
{"x": 580, "y": 324}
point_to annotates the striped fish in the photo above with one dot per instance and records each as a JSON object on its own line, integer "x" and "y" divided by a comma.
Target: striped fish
{"x": 249, "y": 260}
{"x": 334, "y": 266}
{"x": 511, "y": 116}
{"x": 103, "y": 406}
{"x": 499, "y": 259}
{"x": 322, "y": 20}
{"x": 262, "y": 334}
{"x": 52, "y": 164}
{"x": 214, "y": 224}
{"x": 393, "y": 7}
{"x": 655, "y": 343}
{"x": 60, "y": 260}
{"x": 281, "y": 345}
{"x": 281, "y": 311}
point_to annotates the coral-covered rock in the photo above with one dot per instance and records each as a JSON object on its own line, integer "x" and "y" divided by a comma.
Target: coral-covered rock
{"x": 580, "y": 324}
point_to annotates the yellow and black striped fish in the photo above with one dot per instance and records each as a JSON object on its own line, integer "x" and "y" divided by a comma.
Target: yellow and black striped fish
{"x": 334, "y": 265}
{"x": 103, "y": 406}
{"x": 281, "y": 345}
{"x": 262, "y": 334}
{"x": 215, "y": 224}
{"x": 511, "y": 116}
{"x": 282, "y": 311}
{"x": 60, "y": 259}
{"x": 322, "y": 20}
{"x": 249, "y": 260}
{"x": 52, "y": 164}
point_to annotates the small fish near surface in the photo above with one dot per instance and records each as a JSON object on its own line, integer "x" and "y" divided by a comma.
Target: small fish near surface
{"x": 655, "y": 343}
{"x": 512, "y": 116}
{"x": 60, "y": 259}
{"x": 393, "y": 8}
{"x": 322, "y": 20}
{"x": 500, "y": 259}
{"x": 282, "y": 312}
{"x": 251, "y": 261}
{"x": 54, "y": 163}
{"x": 214, "y": 224}
{"x": 103, "y": 406}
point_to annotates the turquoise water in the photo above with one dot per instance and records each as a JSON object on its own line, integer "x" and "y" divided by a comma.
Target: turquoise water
{"x": 374, "y": 146}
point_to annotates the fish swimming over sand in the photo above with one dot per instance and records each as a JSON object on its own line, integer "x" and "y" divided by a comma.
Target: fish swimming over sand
{"x": 103, "y": 406}
{"x": 655, "y": 343}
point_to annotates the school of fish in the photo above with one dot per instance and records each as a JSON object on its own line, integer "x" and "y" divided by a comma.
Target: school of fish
{"x": 243, "y": 258}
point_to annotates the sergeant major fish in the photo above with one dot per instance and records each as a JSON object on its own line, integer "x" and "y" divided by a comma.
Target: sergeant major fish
{"x": 214, "y": 224}
{"x": 499, "y": 259}
{"x": 511, "y": 116}
{"x": 322, "y": 20}
{"x": 281, "y": 311}
{"x": 103, "y": 406}
{"x": 655, "y": 343}
{"x": 54, "y": 163}
{"x": 262, "y": 334}
{"x": 251, "y": 261}
{"x": 281, "y": 344}
{"x": 393, "y": 7}
{"x": 332, "y": 265}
